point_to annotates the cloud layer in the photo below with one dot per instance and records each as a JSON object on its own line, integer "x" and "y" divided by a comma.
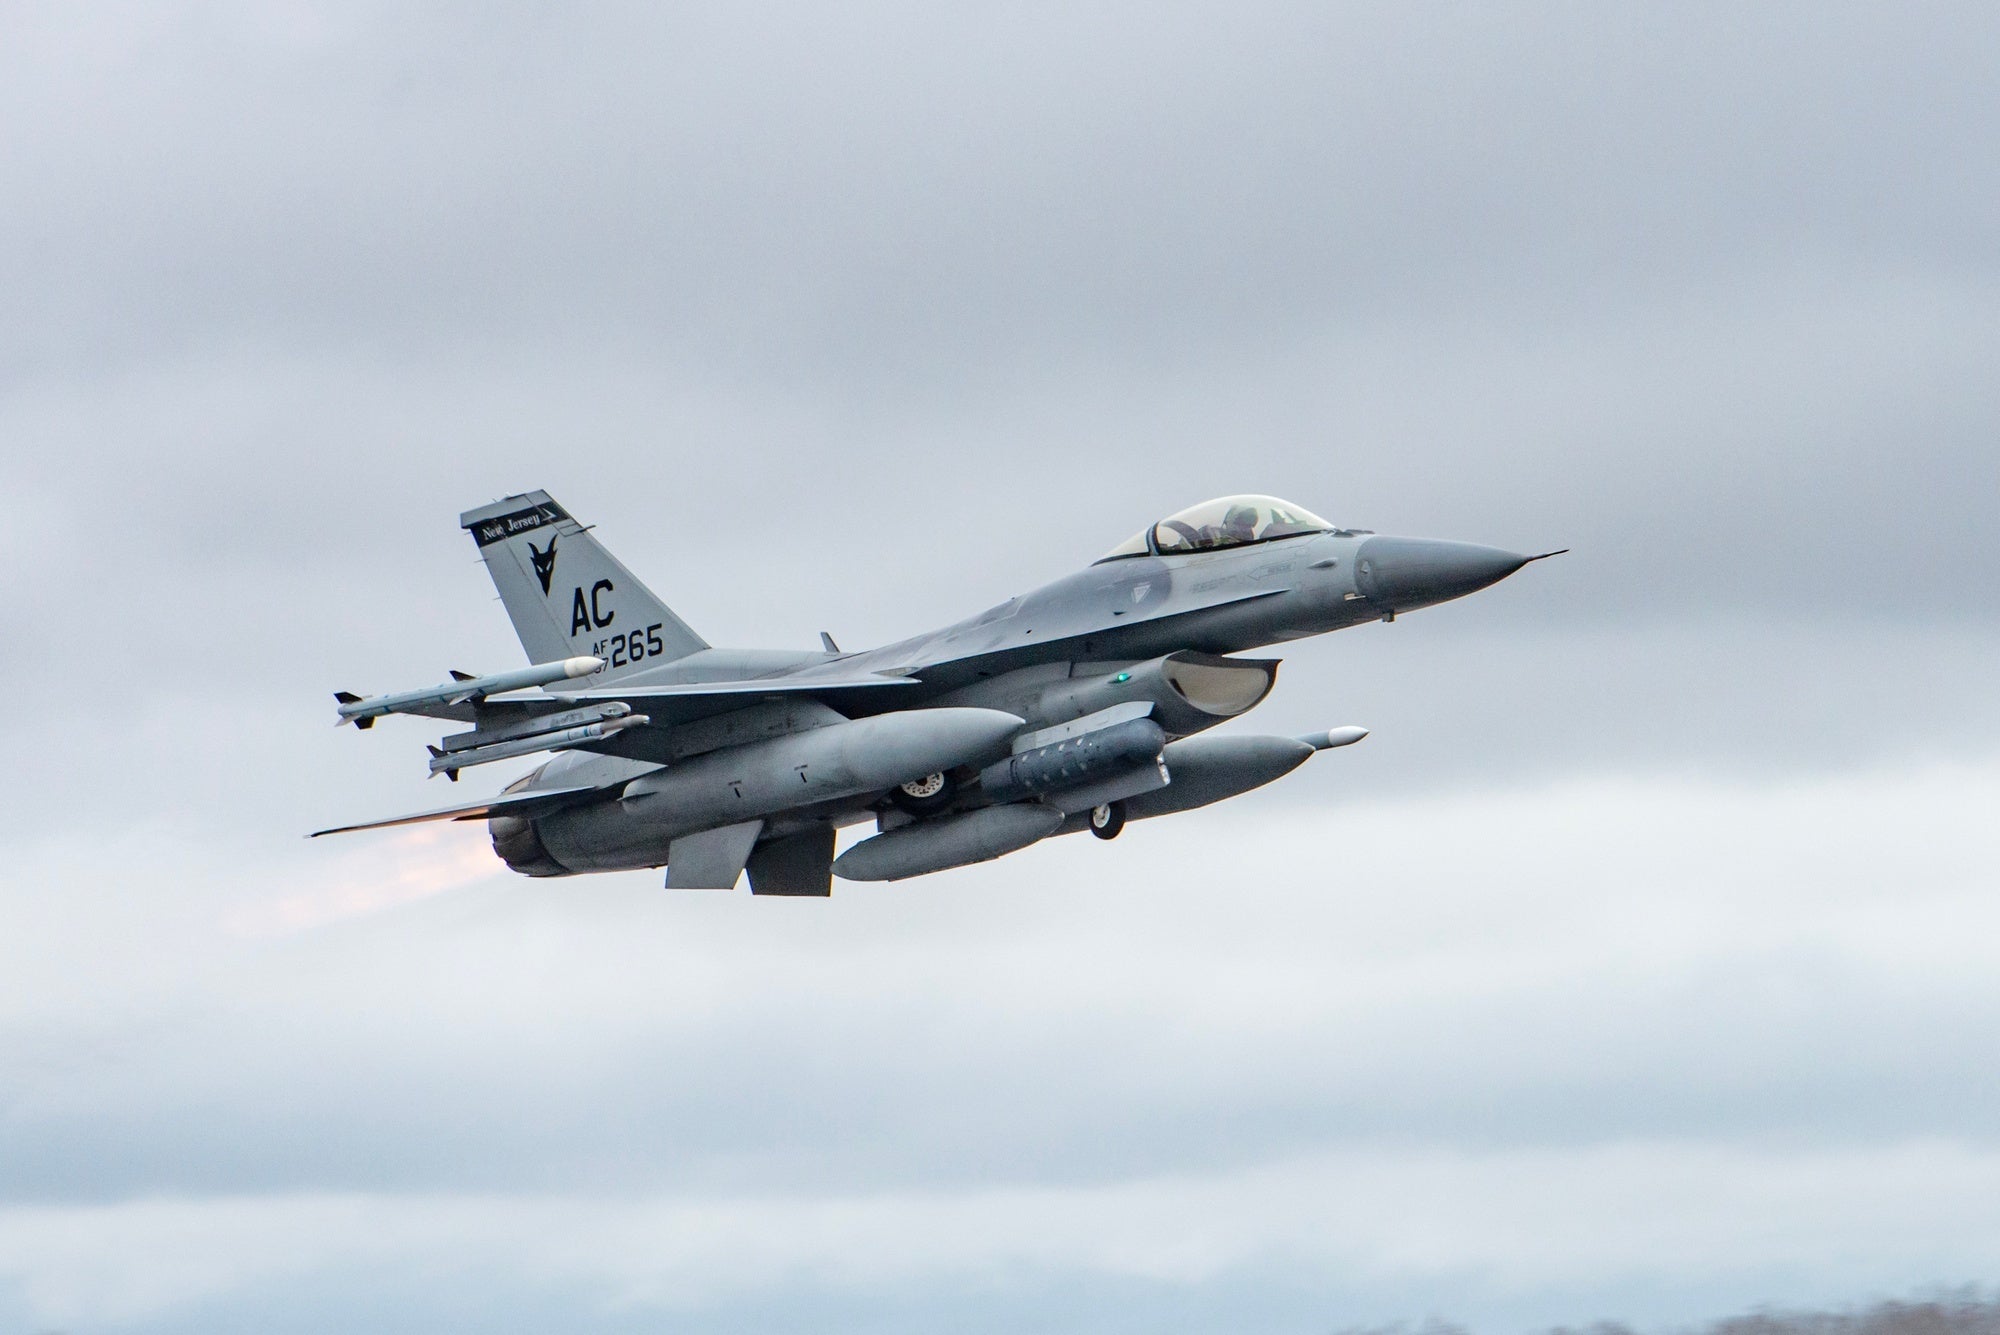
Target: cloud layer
{"x": 1638, "y": 965}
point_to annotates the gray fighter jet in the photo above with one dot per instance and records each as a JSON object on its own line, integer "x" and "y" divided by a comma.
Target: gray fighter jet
{"x": 1076, "y": 707}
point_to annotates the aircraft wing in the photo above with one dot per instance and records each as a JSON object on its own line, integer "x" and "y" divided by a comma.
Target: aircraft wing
{"x": 612, "y": 720}
{"x": 681, "y": 701}
{"x": 666, "y": 704}
{"x": 507, "y": 804}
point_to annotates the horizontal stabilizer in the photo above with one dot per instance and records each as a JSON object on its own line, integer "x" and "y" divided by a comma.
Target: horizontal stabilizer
{"x": 508, "y": 804}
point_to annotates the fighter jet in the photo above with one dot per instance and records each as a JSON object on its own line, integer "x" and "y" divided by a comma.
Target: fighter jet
{"x": 1080, "y": 706}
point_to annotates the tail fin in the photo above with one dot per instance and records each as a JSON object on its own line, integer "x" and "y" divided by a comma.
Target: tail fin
{"x": 566, "y": 595}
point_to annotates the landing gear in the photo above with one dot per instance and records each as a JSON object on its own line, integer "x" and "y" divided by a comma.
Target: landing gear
{"x": 1106, "y": 821}
{"x": 925, "y": 796}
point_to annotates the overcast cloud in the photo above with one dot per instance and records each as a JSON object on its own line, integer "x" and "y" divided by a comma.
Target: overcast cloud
{"x": 1641, "y": 964}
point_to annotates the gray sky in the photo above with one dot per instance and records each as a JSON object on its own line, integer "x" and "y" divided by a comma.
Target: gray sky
{"x": 1639, "y": 965}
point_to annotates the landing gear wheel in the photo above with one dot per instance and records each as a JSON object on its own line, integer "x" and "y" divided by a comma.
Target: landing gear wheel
{"x": 1106, "y": 821}
{"x": 921, "y": 797}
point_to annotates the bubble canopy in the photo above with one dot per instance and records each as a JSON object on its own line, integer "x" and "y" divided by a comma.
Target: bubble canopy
{"x": 1229, "y": 521}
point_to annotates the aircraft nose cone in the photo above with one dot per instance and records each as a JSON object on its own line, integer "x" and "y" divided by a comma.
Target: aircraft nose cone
{"x": 1402, "y": 573}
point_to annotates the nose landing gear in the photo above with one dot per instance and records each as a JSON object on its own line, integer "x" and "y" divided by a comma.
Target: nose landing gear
{"x": 1107, "y": 820}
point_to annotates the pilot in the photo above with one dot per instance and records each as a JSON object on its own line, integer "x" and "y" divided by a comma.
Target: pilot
{"x": 1239, "y": 525}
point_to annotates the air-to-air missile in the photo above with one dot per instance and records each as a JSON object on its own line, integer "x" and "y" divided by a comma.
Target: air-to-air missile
{"x": 590, "y": 725}
{"x": 363, "y": 712}
{"x": 1079, "y": 705}
{"x": 535, "y": 726}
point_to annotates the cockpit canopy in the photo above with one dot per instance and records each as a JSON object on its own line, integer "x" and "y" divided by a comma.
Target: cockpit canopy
{"x": 1231, "y": 521}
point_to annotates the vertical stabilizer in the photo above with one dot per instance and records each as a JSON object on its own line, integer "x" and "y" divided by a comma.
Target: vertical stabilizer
{"x": 566, "y": 595}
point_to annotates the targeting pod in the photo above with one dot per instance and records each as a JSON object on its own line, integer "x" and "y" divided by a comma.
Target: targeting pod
{"x": 1074, "y": 761}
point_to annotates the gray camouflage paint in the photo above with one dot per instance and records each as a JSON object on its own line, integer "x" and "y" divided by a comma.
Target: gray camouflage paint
{"x": 754, "y": 720}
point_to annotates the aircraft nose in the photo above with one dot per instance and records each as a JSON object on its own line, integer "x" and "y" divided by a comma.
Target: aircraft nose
{"x": 1402, "y": 573}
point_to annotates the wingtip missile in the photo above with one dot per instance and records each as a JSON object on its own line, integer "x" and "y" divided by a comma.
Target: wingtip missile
{"x": 361, "y": 712}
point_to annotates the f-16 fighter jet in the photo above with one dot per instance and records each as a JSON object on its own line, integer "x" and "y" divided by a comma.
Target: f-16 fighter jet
{"x": 1079, "y": 706}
